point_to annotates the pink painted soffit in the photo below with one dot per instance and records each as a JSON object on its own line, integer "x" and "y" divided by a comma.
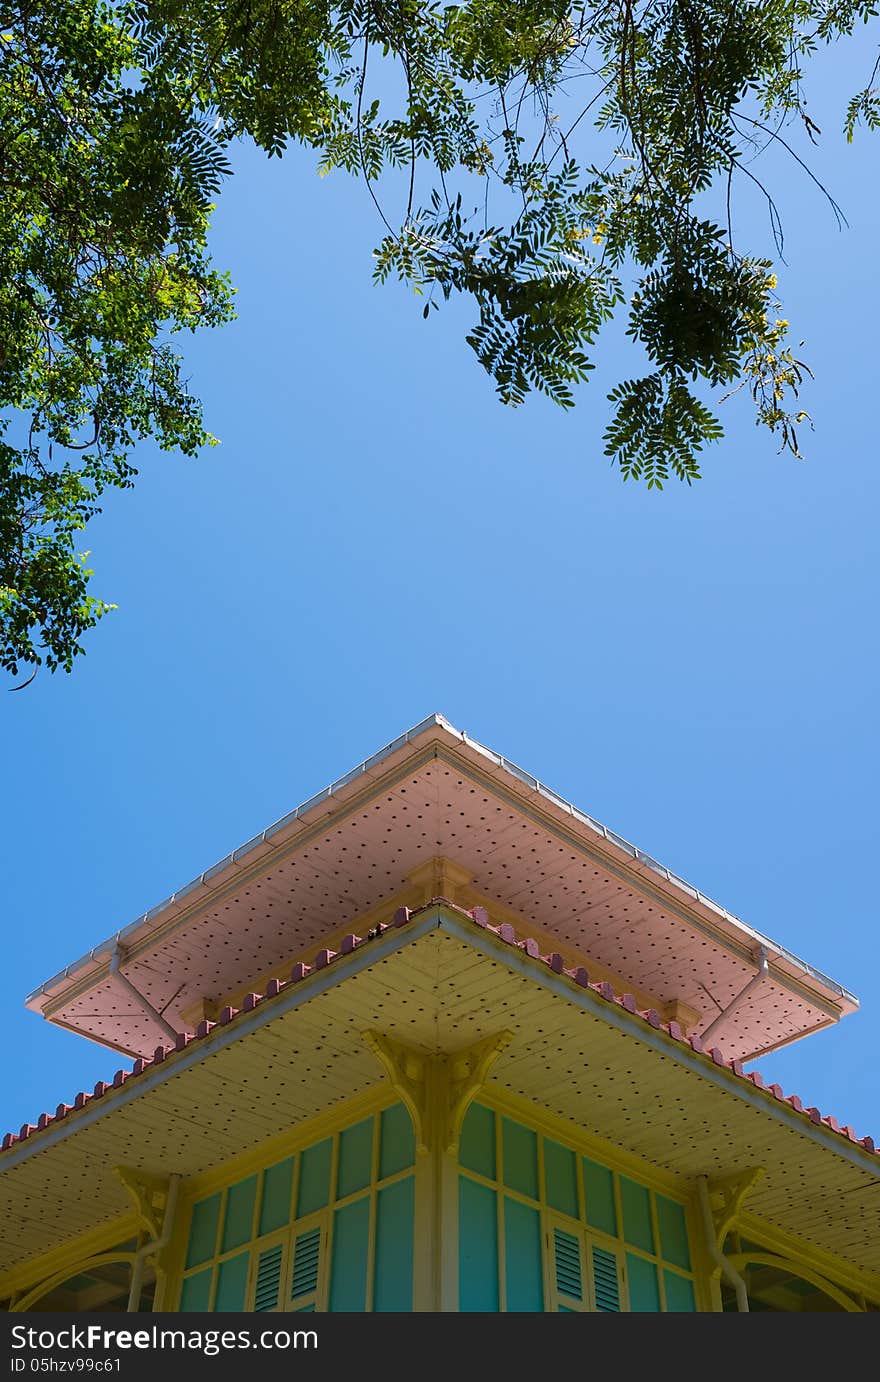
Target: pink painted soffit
{"x": 479, "y": 917}
{"x": 583, "y": 906}
{"x": 352, "y": 848}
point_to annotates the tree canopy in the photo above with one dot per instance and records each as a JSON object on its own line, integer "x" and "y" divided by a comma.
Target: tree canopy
{"x": 556, "y": 163}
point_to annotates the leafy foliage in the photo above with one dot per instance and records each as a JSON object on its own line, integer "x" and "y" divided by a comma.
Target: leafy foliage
{"x": 105, "y": 181}
{"x": 556, "y": 163}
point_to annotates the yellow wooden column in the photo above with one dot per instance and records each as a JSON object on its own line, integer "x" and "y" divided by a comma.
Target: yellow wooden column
{"x": 437, "y": 1088}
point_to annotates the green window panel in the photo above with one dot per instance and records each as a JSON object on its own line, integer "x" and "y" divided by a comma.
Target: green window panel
{"x": 599, "y": 1197}
{"x": 477, "y": 1247}
{"x": 268, "y": 1286}
{"x": 306, "y": 1261}
{"x": 196, "y": 1292}
{"x": 520, "y": 1156}
{"x": 314, "y": 1178}
{"x": 275, "y": 1204}
{"x": 560, "y": 1178}
{"x": 679, "y": 1292}
{"x": 397, "y": 1141}
{"x": 524, "y": 1280}
{"x": 355, "y": 1158}
{"x": 393, "y": 1276}
{"x": 476, "y": 1149}
{"x": 567, "y": 1266}
{"x": 635, "y": 1202}
{"x": 232, "y": 1283}
{"x": 238, "y": 1225}
{"x": 673, "y": 1232}
{"x": 644, "y": 1293}
{"x": 351, "y": 1244}
{"x": 203, "y": 1227}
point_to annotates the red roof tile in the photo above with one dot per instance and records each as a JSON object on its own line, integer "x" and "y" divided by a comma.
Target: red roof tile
{"x": 505, "y": 932}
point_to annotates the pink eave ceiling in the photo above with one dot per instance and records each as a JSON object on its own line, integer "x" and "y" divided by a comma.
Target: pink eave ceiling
{"x": 313, "y": 888}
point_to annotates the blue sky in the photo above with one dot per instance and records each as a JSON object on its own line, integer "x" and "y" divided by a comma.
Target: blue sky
{"x": 377, "y": 538}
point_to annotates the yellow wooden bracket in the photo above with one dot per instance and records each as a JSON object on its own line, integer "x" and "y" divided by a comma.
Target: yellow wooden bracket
{"x": 407, "y": 1069}
{"x": 727, "y": 1195}
{"x": 148, "y": 1195}
{"x": 468, "y": 1072}
{"x": 741, "y": 1260}
{"x": 24, "y": 1301}
{"x": 437, "y": 1089}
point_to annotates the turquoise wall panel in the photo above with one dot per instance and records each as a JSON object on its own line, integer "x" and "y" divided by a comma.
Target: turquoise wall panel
{"x": 679, "y": 1292}
{"x": 203, "y": 1227}
{"x": 355, "y": 1158}
{"x": 673, "y": 1232}
{"x": 560, "y": 1178}
{"x": 314, "y": 1178}
{"x": 351, "y": 1241}
{"x": 519, "y": 1149}
{"x": 599, "y": 1197}
{"x": 393, "y": 1276}
{"x": 635, "y": 1202}
{"x": 477, "y": 1247}
{"x": 232, "y": 1283}
{"x": 397, "y": 1141}
{"x": 275, "y": 1209}
{"x": 196, "y": 1291}
{"x": 476, "y": 1148}
{"x": 238, "y": 1223}
{"x": 524, "y": 1281}
{"x": 644, "y": 1293}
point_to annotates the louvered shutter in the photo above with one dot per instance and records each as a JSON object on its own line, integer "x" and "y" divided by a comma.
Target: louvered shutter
{"x": 568, "y": 1273}
{"x": 306, "y": 1264}
{"x": 583, "y": 1275}
{"x": 606, "y": 1281}
{"x": 268, "y": 1284}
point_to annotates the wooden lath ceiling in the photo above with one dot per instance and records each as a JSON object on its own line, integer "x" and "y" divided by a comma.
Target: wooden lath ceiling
{"x": 440, "y": 990}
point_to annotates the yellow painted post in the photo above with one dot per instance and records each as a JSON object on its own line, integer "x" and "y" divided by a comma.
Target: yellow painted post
{"x": 707, "y": 1277}
{"x": 435, "y": 1260}
{"x": 424, "y": 1231}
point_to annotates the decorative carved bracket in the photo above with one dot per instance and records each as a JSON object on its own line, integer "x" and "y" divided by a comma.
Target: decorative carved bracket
{"x": 149, "y": 1194}
{"x": 407, "y": 1070}
{"x": 792, "y": 1267}
{"x": 437, "y": 1089}
{"x": 727, "y": 1195}
{"x": 468, "y": 1071}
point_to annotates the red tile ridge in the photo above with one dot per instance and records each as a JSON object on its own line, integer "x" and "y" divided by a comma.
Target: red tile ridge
{"x": 505, "y": 932}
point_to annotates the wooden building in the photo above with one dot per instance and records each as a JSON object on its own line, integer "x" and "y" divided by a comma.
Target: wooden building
{"x": 439, "y": 1041}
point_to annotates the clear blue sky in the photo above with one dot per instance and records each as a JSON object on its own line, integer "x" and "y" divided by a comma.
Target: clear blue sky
{"x": 377, "y": 538}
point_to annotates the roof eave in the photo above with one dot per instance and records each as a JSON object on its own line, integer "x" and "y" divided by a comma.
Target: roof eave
{"x": 435, "y": 729}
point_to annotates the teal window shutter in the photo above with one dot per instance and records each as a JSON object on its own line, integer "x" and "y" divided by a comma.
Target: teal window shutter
{"x": 606, "y": 1284}
{"x": 567, "y": 1265}
{"x": 275, "y": 1202}
{"x": 268, "y": 1286}
{"x": 203, "y": 1231}
{"x": 196, "y": 1293}
{"x": 644, "y": 1292}
{"x": 306, "y": 1258}
{"x": 232, "y": 1278}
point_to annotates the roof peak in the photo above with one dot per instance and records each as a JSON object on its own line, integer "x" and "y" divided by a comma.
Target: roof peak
{"x": 435, "y": 791}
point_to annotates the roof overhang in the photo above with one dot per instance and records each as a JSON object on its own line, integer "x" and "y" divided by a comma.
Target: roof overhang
{"x": 440, "y": 979}
{"x": 435, "y": 791}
